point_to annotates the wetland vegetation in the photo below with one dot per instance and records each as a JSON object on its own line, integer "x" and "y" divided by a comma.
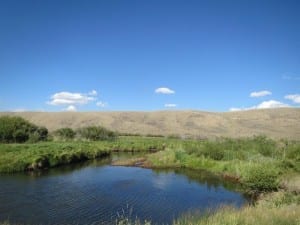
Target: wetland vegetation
{"x": 266, "y": 168}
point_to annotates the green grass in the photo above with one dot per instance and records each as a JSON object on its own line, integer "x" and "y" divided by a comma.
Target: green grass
{"x": 246, "y": 216}
{"x": 259, "y": 163}
{"x": 21, "y": 157}
{"x": 277, "y": 208}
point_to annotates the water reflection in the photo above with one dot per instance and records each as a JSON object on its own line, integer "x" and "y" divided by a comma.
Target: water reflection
{"x": 95, "y": 192}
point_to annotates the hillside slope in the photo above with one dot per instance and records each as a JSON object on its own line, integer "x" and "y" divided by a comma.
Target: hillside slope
{"x": 275, "y": 123}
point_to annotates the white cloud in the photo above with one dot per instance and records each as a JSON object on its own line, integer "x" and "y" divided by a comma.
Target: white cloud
{"x": 235, "y": 109}
{"x": 257, "y": 94}
{"x": 19, "y": 110}
{"x": 164, "y": 90}
{"x": 69, "y": 98}
{"x": 271, "y": 104}
{"x": 70, "y": 108}
{"x": 295, "y": 98}
{"x": 170, "y": 105}
{"x": 101, "y": 104}
{"x": 93, "y": 93}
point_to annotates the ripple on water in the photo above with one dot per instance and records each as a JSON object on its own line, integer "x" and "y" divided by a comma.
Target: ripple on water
{"x": 103, "y": 194}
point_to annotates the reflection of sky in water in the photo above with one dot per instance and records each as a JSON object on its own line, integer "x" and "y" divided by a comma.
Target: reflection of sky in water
{"x": 161, "y": 181}
{"x": 98, "y": 193}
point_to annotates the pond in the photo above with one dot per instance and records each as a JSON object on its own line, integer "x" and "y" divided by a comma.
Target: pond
{"x": 97, "y": 193}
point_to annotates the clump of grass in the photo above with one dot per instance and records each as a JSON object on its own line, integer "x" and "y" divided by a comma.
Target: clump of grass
{"x": 125, "y": 217}
{"x": 246, "y": 216}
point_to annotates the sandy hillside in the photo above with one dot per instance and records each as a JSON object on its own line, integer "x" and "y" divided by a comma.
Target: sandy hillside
{"x": 276, "y": 123}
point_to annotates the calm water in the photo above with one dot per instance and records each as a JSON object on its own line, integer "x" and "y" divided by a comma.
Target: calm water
{"x": 97, "y": 193}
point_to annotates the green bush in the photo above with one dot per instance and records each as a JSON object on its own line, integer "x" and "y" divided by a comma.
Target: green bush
{"x": 261, "y": 178}
{"x": 18, "y": 130}
{"x": 214, "y": 150}
{"x": 94, "y": 133}
{"x": 293, "y": 151}
{"x": 64, "y": 133}
{"x": 265, "y": 145}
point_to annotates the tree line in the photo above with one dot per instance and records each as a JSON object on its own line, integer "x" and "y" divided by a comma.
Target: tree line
{"x": 15, "y": 129}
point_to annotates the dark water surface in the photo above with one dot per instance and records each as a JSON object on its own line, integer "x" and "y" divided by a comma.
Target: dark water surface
{"x": 97, "y": 193}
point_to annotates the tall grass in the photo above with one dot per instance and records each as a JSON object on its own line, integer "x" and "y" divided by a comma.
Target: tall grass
{"x": 258, "y": 163}
{"x": 21, "y": 157}
{"x": 287, "y": 215}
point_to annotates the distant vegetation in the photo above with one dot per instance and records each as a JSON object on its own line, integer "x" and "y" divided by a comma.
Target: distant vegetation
{"x": 18, "y": 130}
{"x": 64, "y": 134}
{"x": 91, "y": 133}
{"x": 98, "y": 133}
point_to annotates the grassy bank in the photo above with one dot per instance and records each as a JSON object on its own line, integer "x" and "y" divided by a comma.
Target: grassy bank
{"x": 259, "y": 163}
{"x": 278, "y": 208}
{"x": 22, "y": 157}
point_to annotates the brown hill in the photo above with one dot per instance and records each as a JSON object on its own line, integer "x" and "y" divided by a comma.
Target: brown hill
{"x": 275, "y": 123}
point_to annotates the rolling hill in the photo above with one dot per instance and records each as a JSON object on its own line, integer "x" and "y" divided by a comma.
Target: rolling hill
{"x": 275, "y": 123}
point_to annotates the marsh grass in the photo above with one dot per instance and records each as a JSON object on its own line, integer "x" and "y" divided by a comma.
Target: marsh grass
{"x": 246, "y": 216}
{"x": 21, "y": 157}
{"x": 259, "y": 163}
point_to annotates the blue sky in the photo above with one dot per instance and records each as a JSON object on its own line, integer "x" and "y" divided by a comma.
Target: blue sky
{"x": 149, "y": 55}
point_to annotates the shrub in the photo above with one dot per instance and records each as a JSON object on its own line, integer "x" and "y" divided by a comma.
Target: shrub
{"x": 213, "y": 150}
{"x": 95, "y": 133}
{"x": 65, "y": 133}
{"x": 265, "y": 145}
{"x": 261, "y": 178}
{"x": 18, "y": 130}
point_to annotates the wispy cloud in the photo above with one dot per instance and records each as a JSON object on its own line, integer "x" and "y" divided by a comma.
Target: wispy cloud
{"x": 101, "y": 104}
{"x": 69, "y": 98}
{"x": 257, "y": 94}
{"x": 295, "y": 98}
{"x": 70, "y": 108}
{"x": 164, "y": 90}
{"x": 264, "y": 105}
{"x": 19, "y": 110}
{"x": 290, "y": 76}
{"x": 170, "y": 105}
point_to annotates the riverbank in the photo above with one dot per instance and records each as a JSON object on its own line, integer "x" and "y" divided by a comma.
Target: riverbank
{"x": 278, "y": 208}
{"x": 44, "y": 155}
{"x": 259, "y": 164}
{"x": 269, "y": 169}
